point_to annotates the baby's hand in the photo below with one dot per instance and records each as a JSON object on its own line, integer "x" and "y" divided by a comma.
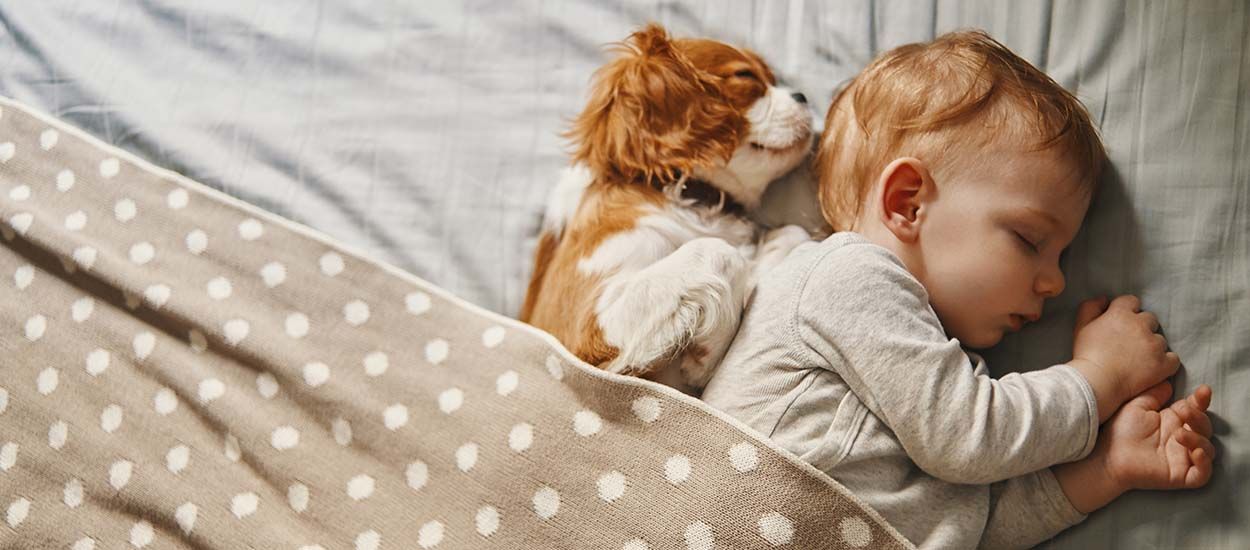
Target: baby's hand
{"x": 1121, "y": 341}
{"x": 1143, "y": 447}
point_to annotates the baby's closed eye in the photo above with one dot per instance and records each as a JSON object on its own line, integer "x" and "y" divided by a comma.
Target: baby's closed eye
{"x": 1028, "y": 241}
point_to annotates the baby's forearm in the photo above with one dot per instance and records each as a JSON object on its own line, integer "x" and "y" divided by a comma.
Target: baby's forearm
{"x": 1107, "y": 389}
{"x": 1087, "y": 483}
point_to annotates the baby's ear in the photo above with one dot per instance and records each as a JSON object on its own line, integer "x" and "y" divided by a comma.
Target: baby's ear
{"x": 652, "y": 114}
{"x": 901, "y": 192}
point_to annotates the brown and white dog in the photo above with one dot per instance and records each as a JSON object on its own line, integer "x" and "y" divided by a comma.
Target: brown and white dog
{"x": 647, "y": 256}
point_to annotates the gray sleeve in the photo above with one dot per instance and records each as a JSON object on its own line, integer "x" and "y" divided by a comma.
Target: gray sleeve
{"x": 865, "y": 317}
{"x": 1026, "y": 510}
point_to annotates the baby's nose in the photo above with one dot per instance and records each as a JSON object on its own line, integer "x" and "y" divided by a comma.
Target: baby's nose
{"x": 1050, "y": 283}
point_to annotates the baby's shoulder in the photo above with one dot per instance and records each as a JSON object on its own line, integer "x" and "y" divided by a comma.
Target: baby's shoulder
{"x": 849, "y": 260}
{"x": 848, "y": 276}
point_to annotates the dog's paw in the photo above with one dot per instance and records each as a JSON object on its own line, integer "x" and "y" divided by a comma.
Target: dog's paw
{"x": 711, "y": 278}
{"x": 710, "y": 257}
{"x": 693, "y": 295}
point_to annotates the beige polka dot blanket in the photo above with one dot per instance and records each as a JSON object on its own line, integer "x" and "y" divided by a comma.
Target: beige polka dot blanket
{"x": 182, "y": 370}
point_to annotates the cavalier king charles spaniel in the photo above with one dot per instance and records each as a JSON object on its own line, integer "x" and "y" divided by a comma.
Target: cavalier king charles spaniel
{"x": 647, "y": 255}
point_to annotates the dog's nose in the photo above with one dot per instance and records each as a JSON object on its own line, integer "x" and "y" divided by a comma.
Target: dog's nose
{"x": 799, "y": 97}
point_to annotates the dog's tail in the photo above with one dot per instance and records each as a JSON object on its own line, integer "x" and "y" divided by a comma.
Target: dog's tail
{"x": 543, "y": 254}
{"x": 561, "y": 205}
{"x": 565, "y": 197}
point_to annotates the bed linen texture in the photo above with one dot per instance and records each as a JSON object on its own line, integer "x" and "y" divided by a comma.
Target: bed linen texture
{"x": 428, "y": 135}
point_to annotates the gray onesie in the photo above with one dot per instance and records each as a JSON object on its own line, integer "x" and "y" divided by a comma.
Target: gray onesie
{"x": 841, "y": 360}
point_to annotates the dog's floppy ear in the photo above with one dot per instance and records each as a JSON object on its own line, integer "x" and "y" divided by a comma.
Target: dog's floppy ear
{"x": 653, "y": 115}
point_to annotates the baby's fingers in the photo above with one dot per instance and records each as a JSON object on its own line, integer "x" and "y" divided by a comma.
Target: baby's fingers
{"x": 1198, "y": 475}
{"x": 1192, "y": 442}
{"x": 1202, "y": 397}
{"x": 1201, "y": 453}
{"x": 1190, "y": 412}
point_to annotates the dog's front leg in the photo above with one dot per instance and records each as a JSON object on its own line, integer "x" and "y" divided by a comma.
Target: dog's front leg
{"x": 658, "y": 313}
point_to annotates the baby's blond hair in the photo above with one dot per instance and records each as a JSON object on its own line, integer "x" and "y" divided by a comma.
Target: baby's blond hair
{"x": 932, "y": 100}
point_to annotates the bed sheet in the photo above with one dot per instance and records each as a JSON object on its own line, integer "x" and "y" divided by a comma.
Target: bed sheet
{"x": 428, "y": 136}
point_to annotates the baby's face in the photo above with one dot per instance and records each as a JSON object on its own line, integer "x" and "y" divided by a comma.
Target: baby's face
{"x": 991, "y": 242}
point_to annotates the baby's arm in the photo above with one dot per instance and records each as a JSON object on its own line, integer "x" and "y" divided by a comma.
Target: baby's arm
{"x": 1141, "y": 447}
{"x": 870, "y": 322}
{"x": 1026, "y": 510}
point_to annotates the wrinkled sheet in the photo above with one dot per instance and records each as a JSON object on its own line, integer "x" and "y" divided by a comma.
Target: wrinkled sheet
{"x": 428, "y": 135}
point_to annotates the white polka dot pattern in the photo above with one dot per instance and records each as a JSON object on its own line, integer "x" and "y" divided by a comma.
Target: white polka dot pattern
{"x": 368, "y": 540}
{"x": 546, "y": 502}
{"x": 58, "y": 435}
{"x": 177, "y": 199}
{"x": 65, "y": 180}
{"x": 109, "y": 167}
{"x": 855, "y": 532}
{"x": 466, "y": 457}
{"x": 331, "y": 264}
{"x": 699, "y": 536}
{"x": 185, "y": 515}
{"x": 296, "y": 325}
{"x": 72, "y": 494}
{"x": 521, "y": 437}
{"x": 251, "y": 229}
{"x": 507, "y": 383}
{"x": 360, "y": 487}
{"x": 450, "y": 400}
{"x": 165, "y": 401}
{"x": 487, "y": 521}
{"x": 430, "y": 534}
{"x": 119, "y": 473}
{"x": 82, "y": 309}
{"x": 776, "y": 529}
{"x": 177, "y": 458}
{"x": 197, "y": 242}
{"x": 611, "y": 486}
{"x": 218, "y": 373}
{"x": 677, "y": 469}
{"x": 587, "y": 423}
{"x": 244, "y": 504}
{"x": 8, "y": 455}
{"x": 297, "y": 497}
{"x": 376, "y": 363}
{"x": 417, "y": 474}
{"x": 143, "y": 344}
{"x": 395, "y": 417}
{"x": 635, "y": 544}
{"x": 284, "y": 437}
{"x": 647, "y": 409}
{"x": 744, "y": 457}
{"x": 141, "y": 534}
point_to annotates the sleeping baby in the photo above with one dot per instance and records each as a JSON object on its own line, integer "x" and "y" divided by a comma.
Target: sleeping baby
{"x": 957, "y": 174}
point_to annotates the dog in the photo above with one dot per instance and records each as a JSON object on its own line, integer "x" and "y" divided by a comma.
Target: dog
{"x": 647, "y": 255}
